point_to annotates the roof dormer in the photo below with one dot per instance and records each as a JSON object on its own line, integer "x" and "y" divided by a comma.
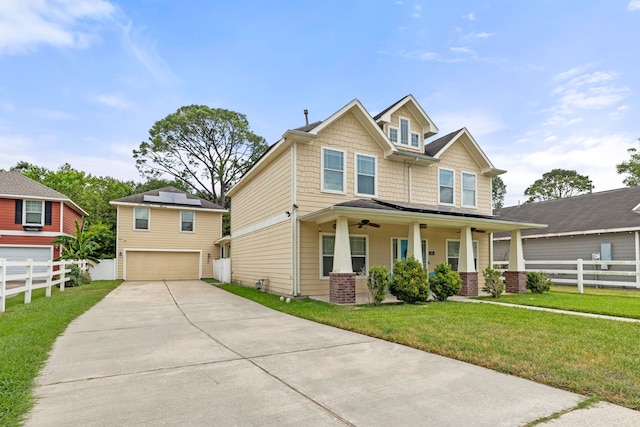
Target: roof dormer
{"x": 406, "y": 124}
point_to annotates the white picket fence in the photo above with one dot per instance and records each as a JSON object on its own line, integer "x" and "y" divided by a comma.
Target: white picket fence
{"x": 33, "y": 275}
{"x": 585, "y": 272}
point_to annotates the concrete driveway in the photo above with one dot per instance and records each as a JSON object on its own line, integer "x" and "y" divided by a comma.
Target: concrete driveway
{"x": 187, "y": 353}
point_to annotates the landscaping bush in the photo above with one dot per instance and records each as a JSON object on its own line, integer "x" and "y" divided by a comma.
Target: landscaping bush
{"x": 409, "y": 282}
{"x": 493, "y": 283}
{"x": 445, "y": 283}
{"x": 377, "y": 283}
{"x": 538, "y": 282}
{"x": 78, "y": 277}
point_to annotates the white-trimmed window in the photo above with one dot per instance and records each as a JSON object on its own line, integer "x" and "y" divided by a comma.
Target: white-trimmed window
{"x": 140, "y": 218}
{"x": 415, "y": 140}
{"x": 333, "y": 176}
{"x": 404, "y": 131}
{"x": 187, "y": 221}
{"x": 453, "y": 253}
{"x": 469, "y": 189}
{"x": 358, "y": 253}
{"x": 393, "y": 134}
{"x": 446, "y": 187}
{"x": 399, "y": 248}
{"x": 33, "y": 212}
{"x": 365, "y": 175}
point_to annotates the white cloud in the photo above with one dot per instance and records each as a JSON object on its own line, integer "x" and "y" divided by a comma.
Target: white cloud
{"x": 53, "y": 114}
{"x": 470, "y": 16}
{"x": 633, "y": 5}
{"x": 116, "y": 100}
{"x": 417, "y": 11}
{"x": 420, "y": 55}
{"x": 463, "y": 49}
{"x": 144, "y": 51}
{"x": 25, "y": 25}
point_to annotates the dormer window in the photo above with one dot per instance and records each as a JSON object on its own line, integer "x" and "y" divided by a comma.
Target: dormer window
{"x": 404, "y": 131}
{"x": 393, "y": 135}
{"x": 415, "y": 140}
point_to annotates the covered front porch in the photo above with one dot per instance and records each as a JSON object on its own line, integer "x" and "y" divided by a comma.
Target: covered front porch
{"x": 355, "y": 235}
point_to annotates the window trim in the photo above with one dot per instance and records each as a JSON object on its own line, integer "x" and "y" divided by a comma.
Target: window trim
{"x": 474, "y": 244}
{"x": 193, "y": 221}
{"x": 148, "y": 219}
{"x": 344, "y": 171}
{"x": 453, "y": 187}
{"x": 366, "y": 256}
{"x": 400, "y": 119}
{"x": 357, "y": 174}
{"x": 24, "y": 213}
{"x": 475, "y": 189}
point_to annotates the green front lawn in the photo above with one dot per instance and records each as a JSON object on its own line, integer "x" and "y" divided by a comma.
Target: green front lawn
{"x": 27, "y": 333}
{"x": 593, "y": 357}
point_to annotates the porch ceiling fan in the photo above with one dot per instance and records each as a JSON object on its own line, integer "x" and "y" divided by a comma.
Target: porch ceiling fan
{"x": 367, "y": 223}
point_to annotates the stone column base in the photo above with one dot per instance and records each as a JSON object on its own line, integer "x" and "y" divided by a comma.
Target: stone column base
{"x": 469, "y": 284}
{"x": 342, "y": 288}
{"x": 516, "y": 282}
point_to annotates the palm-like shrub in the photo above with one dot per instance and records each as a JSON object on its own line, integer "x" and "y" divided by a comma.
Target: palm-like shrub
{"x": 82, "y": 246}
{"x": 409, "y": 282}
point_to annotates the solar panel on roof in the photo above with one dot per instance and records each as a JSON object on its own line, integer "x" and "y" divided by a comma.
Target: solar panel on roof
{"x": 172, "y": 199}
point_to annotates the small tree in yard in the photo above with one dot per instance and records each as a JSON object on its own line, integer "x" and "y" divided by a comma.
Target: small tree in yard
{"x": 538, "y": 282}
{"x": 493, "y": 283}
{"x": 377, "y": 283}
{"x": 409, "y": 282}
{"x": 446, "y": 282}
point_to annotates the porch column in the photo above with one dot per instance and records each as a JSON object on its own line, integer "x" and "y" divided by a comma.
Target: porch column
{"x": 342, "y": 279}
{"x": 466, "y": 266}
{"x": 414, "y": 248}
{"x": 515, "y": 277}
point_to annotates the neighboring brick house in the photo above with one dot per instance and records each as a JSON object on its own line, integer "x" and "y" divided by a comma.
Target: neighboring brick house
{"x": 32, "y": 215}
{"x": 167, "y": 234}
{"x": 332, "y": 198}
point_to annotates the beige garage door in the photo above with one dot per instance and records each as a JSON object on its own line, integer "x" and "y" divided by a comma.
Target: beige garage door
{"x": 162, "y": 265}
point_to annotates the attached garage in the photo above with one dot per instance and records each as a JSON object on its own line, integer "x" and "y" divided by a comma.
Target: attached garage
{"x": 162, "y": 265}
{"x": 23, "y": 253}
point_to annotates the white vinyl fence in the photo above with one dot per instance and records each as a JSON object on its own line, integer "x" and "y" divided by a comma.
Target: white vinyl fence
{"x": 25, "y": 276}
{"x": 585, "y": 272}
{"x": 222, "y": 270}
{"x": 106, "y": 269}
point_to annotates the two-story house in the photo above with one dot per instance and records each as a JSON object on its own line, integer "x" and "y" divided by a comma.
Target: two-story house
{"x": 166, "y": 234}
{"x": 332, "y": 198}
{"x": 32, "y": 215}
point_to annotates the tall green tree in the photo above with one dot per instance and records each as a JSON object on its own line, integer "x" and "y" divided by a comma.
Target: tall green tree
{"x": 630, "y": 168}
{"x": 558, "y": 184}
{"x": 206, "y": 148}
{"x": 498, "y": 191}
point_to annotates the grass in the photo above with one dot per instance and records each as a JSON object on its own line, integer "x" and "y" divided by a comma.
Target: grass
{"x": 598, "y": 301}
{"x": 593, "y": 357}
{"x": 27, "y": 333}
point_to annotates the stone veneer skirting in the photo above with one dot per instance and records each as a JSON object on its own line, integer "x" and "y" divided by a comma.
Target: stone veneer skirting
{"x": 342, "y": 288}
{"x": 515, "y": 281}
{"x": 469, "y": 284}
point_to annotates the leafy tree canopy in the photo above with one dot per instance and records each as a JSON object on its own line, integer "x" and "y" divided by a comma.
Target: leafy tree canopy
{"x": 558, "y": 184}
{"x": 82, "y": 246}
{"x": 208, "y": 149}
{"x": 498, "y": 191}
{"x": 630, "y": 168}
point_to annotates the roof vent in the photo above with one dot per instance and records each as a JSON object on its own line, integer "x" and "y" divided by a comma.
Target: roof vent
{"x": 306, "y": 116}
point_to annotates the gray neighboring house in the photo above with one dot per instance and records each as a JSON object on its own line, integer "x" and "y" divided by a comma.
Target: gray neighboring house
{"x": 597, "y": 226}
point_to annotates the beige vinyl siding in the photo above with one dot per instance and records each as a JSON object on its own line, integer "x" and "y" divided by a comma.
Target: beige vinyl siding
{"x": 164, "y": 234}
{"x": 155, "y": 265}
{"x": 264, "y": 197}
{"x": 264, "y": 254}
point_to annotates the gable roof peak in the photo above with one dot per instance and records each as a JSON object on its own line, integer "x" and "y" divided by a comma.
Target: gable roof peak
{"x": 428, "y": 126}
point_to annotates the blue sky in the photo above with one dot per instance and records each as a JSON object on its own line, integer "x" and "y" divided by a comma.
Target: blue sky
{"x": 539, "y": 84}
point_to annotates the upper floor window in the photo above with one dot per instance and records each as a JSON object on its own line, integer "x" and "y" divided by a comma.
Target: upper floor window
{"x": 445, "y": 183}
{"x": 186, "y": 220}
{"x": 415, "y": 139}
{"x": 358, "y": 253}
{"x": 333, "y": 177}
{"x": 404, "y": 131}
{"x": 366, "y": 175}
{"x": 34, "y": 212}
{"x": 468, "y": 189}
{"x": 393, "y": 135}
{"x": 140, "y": 218}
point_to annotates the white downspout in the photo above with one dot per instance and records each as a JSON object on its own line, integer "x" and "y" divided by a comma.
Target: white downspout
{"x": 637, "y": 259}
{"x": 410, "y": 185}
{"x": 294, "y": 225}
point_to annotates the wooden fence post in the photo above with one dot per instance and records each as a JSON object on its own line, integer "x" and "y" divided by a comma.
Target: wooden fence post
{"x": 580, "y": 276}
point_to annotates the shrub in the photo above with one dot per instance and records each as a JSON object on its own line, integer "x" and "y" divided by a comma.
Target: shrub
{"x": 78, "y": 277}
{"x": 493, "y": 283}
{"x": 445, "y": 283}
{"x": 377, "y": 283}
{"x": 538, "y": 282}
{"x": 409, "y": 282}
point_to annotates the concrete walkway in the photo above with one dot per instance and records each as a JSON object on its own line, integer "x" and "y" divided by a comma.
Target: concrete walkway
{"x": 189, "y": 354}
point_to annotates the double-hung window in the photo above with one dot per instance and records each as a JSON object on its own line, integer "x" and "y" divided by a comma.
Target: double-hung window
{"x": 453, "y": 253}
{"x": 468, "y": 189}
{"x": 33, "y": 212}
{"x": 140, "y": 218}
{"x": 358, "y": 253}
{"x": 445, "y": 182}
{"x": 404, "y": 131}
{"x": 366, "y": 175}
{"x": 393, "y": 135}
{"x": 186, "y": 220}
{"x": 333, "y": 176}
{"x": 415, "y": 140}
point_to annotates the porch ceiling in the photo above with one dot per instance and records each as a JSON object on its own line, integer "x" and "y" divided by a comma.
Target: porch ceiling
{"x": 401, "y": 213}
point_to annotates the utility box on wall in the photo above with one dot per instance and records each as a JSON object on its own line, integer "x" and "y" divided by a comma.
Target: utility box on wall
{"x": 605, "y": 255}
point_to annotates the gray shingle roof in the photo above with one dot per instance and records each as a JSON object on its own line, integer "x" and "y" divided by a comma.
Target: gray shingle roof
{"x": 139, "y": 199}
{"x": 432, "y": 148}
{"x": 606, "y": 210}
{"x": 15, "y": 184}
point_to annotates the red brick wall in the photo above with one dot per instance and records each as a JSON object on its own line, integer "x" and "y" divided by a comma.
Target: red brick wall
{"x": 469, "y": 284}
{"x": 342, "y": 288}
